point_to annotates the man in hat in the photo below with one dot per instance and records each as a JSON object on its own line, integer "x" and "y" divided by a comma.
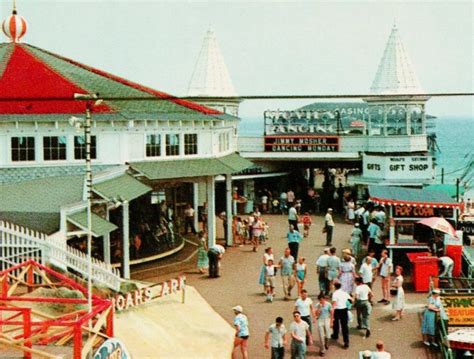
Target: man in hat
{"x": 329, "y": 226}
{"x": 241, "y": 325}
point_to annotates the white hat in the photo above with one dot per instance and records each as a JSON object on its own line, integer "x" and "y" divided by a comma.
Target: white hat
{"x": 329, "y": 209}
{"x": 238, "y": 308}
{"x": 436, "y": 291}
{"x": 367, "y": 354}
{"x": 357, "y": 224}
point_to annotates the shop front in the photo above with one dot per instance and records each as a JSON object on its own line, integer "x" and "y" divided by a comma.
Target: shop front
{"x": 406, "y": 207}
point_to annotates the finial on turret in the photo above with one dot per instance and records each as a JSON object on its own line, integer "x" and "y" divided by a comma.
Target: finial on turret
{"x": 14, "y": 26}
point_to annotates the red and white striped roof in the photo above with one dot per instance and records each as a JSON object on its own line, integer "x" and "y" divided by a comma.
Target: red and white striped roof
{"x": 14, "y": 26}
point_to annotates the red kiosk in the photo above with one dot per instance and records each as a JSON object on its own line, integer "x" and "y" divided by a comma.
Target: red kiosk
{"x": 406, "y": 207}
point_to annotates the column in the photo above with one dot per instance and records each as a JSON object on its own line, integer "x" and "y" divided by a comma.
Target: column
{"x": 384, "y": 132}
{"x": 196, "y": 205}
{"x": 211, "y": 211}
{"x": 369, "y": 121}
{"x": 423, "y": 120}
{"x": 106, "y": 239}
{"x": 408, "y": 118}
{"x": 126, "y": 242}
{"x": 311, "y": 179}
{"x": 228, "y": 209}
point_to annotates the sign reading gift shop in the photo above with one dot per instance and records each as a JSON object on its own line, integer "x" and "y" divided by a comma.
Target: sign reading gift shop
{"x": 460, "y": 309}
{"x": 398, "y": 167}
{"x": 301, "y": 143}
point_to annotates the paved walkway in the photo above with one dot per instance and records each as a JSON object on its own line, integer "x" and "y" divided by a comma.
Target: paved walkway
{"x": 238, "y": 284}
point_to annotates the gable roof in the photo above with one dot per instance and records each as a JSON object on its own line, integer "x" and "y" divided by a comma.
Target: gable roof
{"x": 30, "y": 72}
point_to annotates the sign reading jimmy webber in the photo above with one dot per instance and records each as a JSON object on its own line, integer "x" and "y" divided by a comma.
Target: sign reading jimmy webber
{"x": 301, "y": 144}
{"x": 398, "y": 167}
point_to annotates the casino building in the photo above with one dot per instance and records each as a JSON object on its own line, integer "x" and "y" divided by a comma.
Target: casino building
{"x": 385, "y": 137}
{"x": 150, "y": 156}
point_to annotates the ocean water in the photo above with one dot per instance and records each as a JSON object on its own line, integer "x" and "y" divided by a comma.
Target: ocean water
{"x": 455, "y": 138}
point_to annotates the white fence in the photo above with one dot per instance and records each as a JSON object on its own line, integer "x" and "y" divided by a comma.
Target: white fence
{"x": 18, "y": 244}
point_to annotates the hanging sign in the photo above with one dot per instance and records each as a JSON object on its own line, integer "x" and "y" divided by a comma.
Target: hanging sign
{"x": 421, "y": 212}
{"x": 460, "y": 309}
{"x": 112, "y": 349}
{"x": 466, "y": 226}
{"x": 301, "y": 143}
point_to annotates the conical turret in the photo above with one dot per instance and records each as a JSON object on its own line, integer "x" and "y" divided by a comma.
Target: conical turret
{"x": 395, "y": 74}
{"x": 211, "y": 77}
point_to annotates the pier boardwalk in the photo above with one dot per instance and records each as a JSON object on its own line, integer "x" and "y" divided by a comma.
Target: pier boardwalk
{"x": 238, "y": 284}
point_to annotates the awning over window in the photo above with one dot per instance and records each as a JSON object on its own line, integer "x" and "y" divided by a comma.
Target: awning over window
{"x": 400, "y": 196}
{"x": 124, "y": 187}
{"x": 168, "y": 169}
{"x": 100, "y": 226}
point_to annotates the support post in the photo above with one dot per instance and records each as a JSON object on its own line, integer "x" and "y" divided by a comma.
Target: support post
{"x": 126, "y": 241}
{"x": 27, "y": 331}
{"x": 391, "y": 225}
{"x": 423, "y": 120}
{"x": 196, "y": 205}
{"x": 211, "y": 211}
{"x": 106, "y": 240}
{"x": 77, "y": 342}
{"x": 408, "y": 119}
{"x": 385, "y": 115}
{"x": 228, "y": 209}
{"x": 87, "y": 133}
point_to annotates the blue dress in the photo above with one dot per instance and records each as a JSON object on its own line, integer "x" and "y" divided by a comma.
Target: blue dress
{"x": 428, "y": 325}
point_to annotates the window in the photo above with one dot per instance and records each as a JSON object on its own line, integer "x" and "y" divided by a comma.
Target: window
{"x": 23, "y": 148}
{"x": 54, "y": 148}
{"x": 172, "y": 144}
{"x": 80, "y": 148}
{"x": 224, "y": 142}
{"x": 153, "y": 145}
{"x": 190, "y": 144}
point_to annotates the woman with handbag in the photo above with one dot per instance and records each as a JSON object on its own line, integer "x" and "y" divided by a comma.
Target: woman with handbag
{"x": 397, "y": 288}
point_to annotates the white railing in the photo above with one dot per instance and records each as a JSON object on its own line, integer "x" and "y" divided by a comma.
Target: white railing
{"x": 19, "y": 244}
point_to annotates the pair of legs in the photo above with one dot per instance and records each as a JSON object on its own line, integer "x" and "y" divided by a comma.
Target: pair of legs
{"x": 341, "y": 319}
{"x": 269, "y": 286}
{"x": 300, "y": 284}
{"x": 298, "y": 350}
{"x": 398, "y": 315}
{"x": 323, "y": 282}
{"x": 243, "y": 344}
{"x": 255, "y": 242}
{"x": 288, "y": 284}
{"x": 386, "y": 288}
{"x": 329, "y": 230}
{"x": 363, "y": 309}
{"x": 324, "y": 329}
{"x": 213, "y": 264}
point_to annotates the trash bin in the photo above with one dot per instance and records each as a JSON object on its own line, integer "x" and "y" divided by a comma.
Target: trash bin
{"x": 424, "y": 266}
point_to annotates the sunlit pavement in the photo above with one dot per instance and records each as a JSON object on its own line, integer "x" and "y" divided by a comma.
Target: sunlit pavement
{"x": 238, "y": 284}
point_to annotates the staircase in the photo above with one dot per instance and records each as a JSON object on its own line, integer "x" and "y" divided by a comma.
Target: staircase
{"x": 18, "y": 244}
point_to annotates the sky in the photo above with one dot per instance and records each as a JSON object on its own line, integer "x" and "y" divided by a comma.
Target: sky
{"x": 270, "y": 48}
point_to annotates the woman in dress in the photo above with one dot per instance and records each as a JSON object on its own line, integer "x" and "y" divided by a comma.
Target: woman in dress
{"x": 428, "y": 325}
{"x": 203, "y": 260}
{"x": 399, "y": 302}
{"x": 300, "y": 274}
{"x": 257, "y": 230}
{"x": 266, "y": 257}
{"x": 356, "y": 238}
{"x": 350, "y": 211}
{"x": 347, "y": 275}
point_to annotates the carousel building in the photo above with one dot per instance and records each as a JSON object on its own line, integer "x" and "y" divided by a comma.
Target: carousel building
{"x": 149, "y": 155}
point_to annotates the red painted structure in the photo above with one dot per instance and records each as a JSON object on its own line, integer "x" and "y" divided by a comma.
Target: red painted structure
{"x": 29, "y": 328}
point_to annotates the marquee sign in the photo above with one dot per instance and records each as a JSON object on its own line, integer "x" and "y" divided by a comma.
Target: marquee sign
{"x": 398, "y": 167}
{"x": 460, "y": 309}
{"x": 301, "y": 143}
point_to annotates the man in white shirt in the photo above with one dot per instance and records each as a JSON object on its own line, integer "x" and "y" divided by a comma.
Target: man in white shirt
{"x": 321, "y": 269}
{"x": 448, "y": 265}
{"x": 189, "y": 219}
{"x": 275, "y": 337}
{"x": 329, "y": 226}
{"x": 299, "y": 331}
{"x": 293, "y": 216}
{"x": 366, "y": 271}
{"x": 304, "y": 305}
{"x": 341, "y": 316}
{"x": 363, "y": 294}
{"x": 215, "y": 254}
{"x": 380, "y": 353}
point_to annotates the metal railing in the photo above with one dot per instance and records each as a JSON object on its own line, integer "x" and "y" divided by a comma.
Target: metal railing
{"x": 19, "y": 244}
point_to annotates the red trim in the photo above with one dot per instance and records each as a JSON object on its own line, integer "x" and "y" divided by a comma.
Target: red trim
{"x": 12, "y": 27}
{"x": 410, "y": 203}
{"x": 163, "y": 95}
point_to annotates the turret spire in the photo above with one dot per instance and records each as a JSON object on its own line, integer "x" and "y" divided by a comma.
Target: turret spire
{"x": 14, "y": 26}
